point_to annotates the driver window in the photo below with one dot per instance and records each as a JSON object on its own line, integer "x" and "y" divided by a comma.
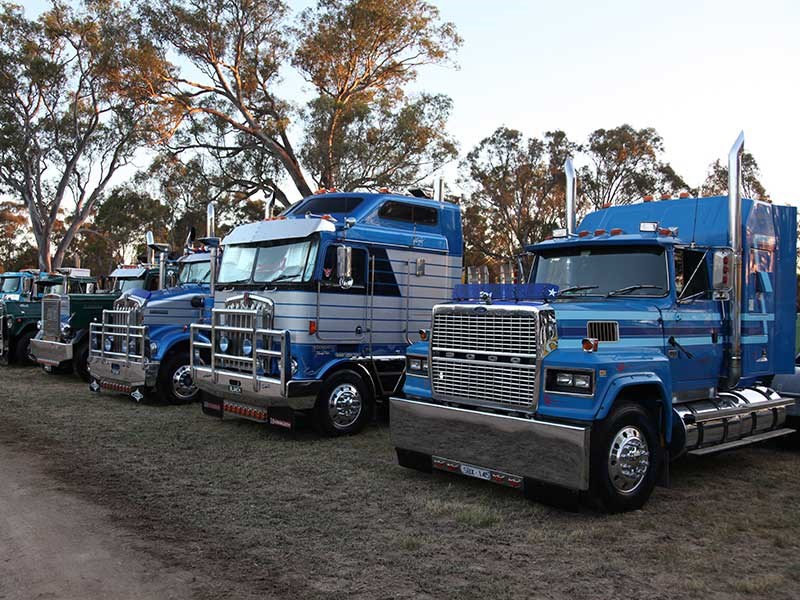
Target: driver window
{"x": 691, "y": 272}
{"x": 329, "y": 274}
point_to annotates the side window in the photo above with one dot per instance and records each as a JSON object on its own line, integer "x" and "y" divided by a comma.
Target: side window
{"x": 330, "y": 276}
{"x": 151, "y": 285}
{"x": 691, "y": 272}
{"x": 409, "y": 213}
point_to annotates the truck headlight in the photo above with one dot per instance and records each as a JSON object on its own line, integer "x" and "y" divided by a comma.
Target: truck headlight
{"x": 10, "y": 322}
{"x": 154, "y": 348}
{"x": 66, "y": 330}
{"x": 39, "y": 325}
{"x": 107, "y": 344}
{"x": 568, "y": 381}
{"x": 223, "y": 344}
{"x": 417, "y": 364}
{"x": 247, "y": 347}
{"x": 124, "y": 346}
{"x": 95, "y": 342}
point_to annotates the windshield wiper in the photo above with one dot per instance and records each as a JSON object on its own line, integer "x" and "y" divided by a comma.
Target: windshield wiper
{"x": 577, "y": 288}
{"x": 633, "y": 288}
{"x": 236, "y": 282}
{"x": 283, "y": 277}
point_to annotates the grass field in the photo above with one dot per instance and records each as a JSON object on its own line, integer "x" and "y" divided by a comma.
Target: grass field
{"x": 258, "y": 512}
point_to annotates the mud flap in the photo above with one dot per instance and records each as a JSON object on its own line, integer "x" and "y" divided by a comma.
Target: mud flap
{"x": 213, "y": 407}
{"x": 282, "y": 417}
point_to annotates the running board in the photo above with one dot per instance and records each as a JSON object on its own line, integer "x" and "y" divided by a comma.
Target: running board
{"x": 745, "y": 441}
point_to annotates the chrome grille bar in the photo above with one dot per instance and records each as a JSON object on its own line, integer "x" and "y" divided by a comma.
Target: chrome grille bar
{"x": 128, "y": 341}
{"x": 51, "y": 317}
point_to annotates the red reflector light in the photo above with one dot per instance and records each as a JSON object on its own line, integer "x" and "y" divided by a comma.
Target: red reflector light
{"x": 664, "y": 231}
{"x": 616, "y": 231}
{"x": 583, "y": 233}
{"x": 599, "y": 231}
{"x": 312, "y": 327}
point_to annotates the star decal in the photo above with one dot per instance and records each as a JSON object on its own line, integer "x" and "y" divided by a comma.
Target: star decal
{"x": 552, "y": 292}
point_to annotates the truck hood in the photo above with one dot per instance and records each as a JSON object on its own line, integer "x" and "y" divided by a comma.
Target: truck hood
{"x": 638, "y": 323}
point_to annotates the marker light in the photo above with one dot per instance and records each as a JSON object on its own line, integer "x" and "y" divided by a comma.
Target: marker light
{"x": 589, "y": 344}
{"x": 423, "y": 335}
{"x": 599, "y": 231}
{"x": 683, "y": 195}
{"x": 583, "y": 234}
{"x": 648, "y": 227}
{"x": 559, "y": 233}
{"x": 616, "y": 231}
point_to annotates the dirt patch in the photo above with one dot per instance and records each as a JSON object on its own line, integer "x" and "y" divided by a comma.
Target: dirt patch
{"x": 258, "y": 512}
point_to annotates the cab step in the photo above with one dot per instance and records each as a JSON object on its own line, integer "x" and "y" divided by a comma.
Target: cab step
{"x": 746, "y": 441}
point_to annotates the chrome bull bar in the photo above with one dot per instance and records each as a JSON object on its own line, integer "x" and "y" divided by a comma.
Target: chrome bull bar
{"x": 247, "y": 366}
{"x": 117, "y": 330}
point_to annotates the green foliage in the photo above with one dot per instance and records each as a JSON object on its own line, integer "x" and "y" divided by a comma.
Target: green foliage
{"x": 625, "y": 166}
{"x": 716, "y": 182}
{"x": 517, "y": 189}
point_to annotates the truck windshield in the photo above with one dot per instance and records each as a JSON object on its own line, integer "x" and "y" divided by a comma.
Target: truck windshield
{"x": 198, "y": 272}
{"x": 123, "y": 285}
{"x": 9, "y": 285}
{"x": 616, "y": 271}
{"x": 281, "y": 262}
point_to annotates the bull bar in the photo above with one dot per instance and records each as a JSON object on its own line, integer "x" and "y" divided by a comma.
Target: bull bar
{"x": 119, "y": 370}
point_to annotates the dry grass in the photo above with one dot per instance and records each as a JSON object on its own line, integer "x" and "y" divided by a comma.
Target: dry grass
{"x": 261, "y": 512}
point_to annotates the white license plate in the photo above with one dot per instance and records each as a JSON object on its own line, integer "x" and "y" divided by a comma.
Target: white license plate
{"x": 475, "y": 472}
{"x": 235, "y": 389}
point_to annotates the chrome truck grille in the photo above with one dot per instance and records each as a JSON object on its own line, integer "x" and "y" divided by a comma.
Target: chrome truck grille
{"x": 488, "y": 355}
{"x": 121, "y": 334}
{"x": 241, "y": 341}
{"x": 51, "y": 317}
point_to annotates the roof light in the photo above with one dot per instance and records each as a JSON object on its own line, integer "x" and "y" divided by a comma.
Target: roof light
{"x": 583, "y": 233}
{"x": 683, "y": 195}
{"x": 648, "y": 226}
{"x": 647, "y": 198}
{"x": 321, "y": 191}
{"x": 599, "y": 231}
{"x": 616, "y": 231}
{"x": 607, "y": 205}
{"x": 666, "y": 196}
{"x": 383, "y": 190}
{"x": 559, "y": 233}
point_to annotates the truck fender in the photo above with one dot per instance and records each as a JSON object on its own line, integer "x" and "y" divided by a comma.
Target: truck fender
{"x": 623, "y": 384}
{"x": 355, "y": 365}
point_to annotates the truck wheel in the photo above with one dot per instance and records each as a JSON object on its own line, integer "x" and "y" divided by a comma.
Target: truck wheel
{"x": 344, "y": 405}
{"x": 22, "y": 348}
{"x": 625, "y": 459}
{"x": 80, "y": 362}
{"x": 175, "y": 383}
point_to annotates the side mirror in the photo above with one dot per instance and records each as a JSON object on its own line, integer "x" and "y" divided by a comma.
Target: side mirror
{"x": 27, "y": 286}
{"x": 91, "y": 288}
{"x": 344, "y": 266}
{"x": 722, "y": 278}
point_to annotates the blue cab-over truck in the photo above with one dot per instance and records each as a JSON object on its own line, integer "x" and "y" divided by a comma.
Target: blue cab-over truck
{"x": 650, "y": 331}
{"x": 141, "y": 347}
{"x": 313, "y": 310}
{"x": 13, "y": 284}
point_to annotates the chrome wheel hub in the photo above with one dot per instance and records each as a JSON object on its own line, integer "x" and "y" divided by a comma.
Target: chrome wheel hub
{"x": 182, "y": 385}
{"x": 628, "y": 459}
{"x": 344, "y": 405}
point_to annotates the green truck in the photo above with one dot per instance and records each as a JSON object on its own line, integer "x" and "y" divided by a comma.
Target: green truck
{"x": 19, "y": 313}
{"x": 62, "y": 342}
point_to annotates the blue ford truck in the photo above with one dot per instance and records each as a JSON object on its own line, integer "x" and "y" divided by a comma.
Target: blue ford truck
{"x": 650, "y": 331}
{"x": 312, "y": 311}
{"x": 141, "y": 346}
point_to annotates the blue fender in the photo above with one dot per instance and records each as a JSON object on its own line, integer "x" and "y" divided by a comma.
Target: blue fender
{"x": 621, "y": 382}
{"x": 167, "y": 338}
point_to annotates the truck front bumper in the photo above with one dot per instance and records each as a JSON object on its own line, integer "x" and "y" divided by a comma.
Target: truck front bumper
{"x": 257, "y": 391}
{"x": 546, "y": 452}
{"x": 49, "y": 353}
{"x": 121, "y": 375}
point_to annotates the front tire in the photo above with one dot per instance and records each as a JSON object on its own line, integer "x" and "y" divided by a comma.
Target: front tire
{"x": 175, "y": 383}
{"x": 344, "y": 405}
{"x": 625, "y": 459}
{"x": 22, "y": 348}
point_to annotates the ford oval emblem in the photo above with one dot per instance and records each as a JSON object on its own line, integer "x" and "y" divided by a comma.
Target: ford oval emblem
{"x": 480, "y": 309}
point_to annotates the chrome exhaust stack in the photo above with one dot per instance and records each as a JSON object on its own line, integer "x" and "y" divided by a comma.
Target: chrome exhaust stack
{"x": 211, "y": 219}
{"x": 149, "y": 240}
{"x": 212, "y": 242}
{"x": 735, "y": 241}
{"x": 569, "y": 172}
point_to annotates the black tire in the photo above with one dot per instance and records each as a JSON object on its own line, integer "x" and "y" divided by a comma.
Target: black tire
{"x": 612, "y": 489}
{"x": 80, "y": 362}
{"x": 344, "y": 405}
{"x": 175, "y": 367}
{"x": 22, "y": 348}
{"x": 414, "y": 460}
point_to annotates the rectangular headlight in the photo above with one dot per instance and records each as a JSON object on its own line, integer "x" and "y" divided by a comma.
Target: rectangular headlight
{"x": 567, "y": 381}
{"x": 415, "y": 364}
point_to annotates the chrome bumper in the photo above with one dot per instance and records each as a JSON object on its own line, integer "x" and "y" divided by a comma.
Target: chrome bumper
{"x": 123, "y": 373}
{"x": 547, "y": 452}
{"x": 259, "y": 391}
{"x": 51, "y": 354}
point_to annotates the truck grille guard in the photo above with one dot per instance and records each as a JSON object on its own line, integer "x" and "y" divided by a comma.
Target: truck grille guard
{"x": 245, "y": 319}
{"x": 489, "y": 356}
{"x": 121, "y": 331}
{"x": 51, "y": 317}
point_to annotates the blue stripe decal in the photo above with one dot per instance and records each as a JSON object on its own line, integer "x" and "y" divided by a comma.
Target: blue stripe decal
{"x": 755, "y": 339}
{"x": 757, "y": 317}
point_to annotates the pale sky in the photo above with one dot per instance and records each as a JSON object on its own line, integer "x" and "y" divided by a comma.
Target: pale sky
{"x": 698, "y": 71}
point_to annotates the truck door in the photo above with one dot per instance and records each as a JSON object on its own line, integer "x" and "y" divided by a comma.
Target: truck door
{"x": 693, "y": 337}
{"x": 342, "y": 311}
